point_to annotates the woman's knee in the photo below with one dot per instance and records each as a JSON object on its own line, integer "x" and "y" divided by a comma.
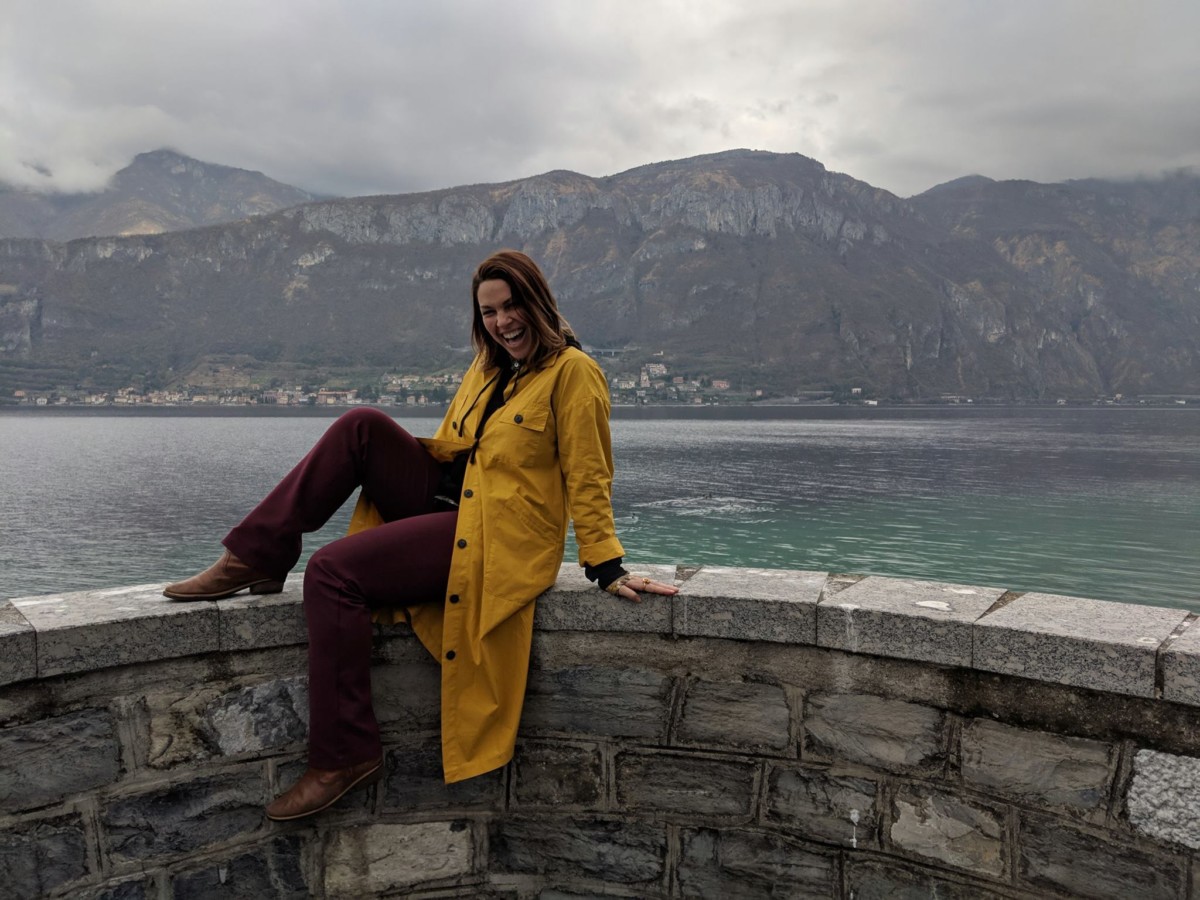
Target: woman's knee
{"x": 361, "y": 428}
{"x": 366, "y": 414}
{"x": 323, "y": 571}
{"x": 365, "y": 417}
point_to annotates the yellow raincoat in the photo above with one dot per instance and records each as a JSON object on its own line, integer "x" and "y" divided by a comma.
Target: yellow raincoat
{"x": 545, "y": 456}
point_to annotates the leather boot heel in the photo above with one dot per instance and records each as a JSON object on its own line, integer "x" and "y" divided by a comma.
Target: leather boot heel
{"x": 267, "y": 587}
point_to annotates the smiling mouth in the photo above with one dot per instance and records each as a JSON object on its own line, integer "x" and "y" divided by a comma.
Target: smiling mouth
{"x": 513, "y": 337}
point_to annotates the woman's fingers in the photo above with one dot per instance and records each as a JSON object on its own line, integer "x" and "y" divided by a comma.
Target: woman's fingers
{"x": 630, "y": 587}
{"x": 655, "y": 587}
{"x": 649, "y": 586}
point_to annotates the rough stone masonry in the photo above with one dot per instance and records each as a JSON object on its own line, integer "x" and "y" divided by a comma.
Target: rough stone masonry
{"x": 761, "y": 734}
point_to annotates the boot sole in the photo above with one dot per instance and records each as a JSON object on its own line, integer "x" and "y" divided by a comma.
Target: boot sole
{"x": 364, "y": 780}
{"x": 266, "y": 586}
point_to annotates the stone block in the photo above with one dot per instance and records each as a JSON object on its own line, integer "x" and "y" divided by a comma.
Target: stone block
{"x": 1055, "y": 770}
{"x": 678, "y": 784}
{"x": 228, "y": 721}
{"x": 835, "y": 809}
{"x": 273, "y": 870}
{"x": 18, "y": 646}
{"x": 413, "y": 779}
{"x": 874, "y": 731}
{"x": 121, "y": 890}
{"x": 922, "y": 620}
{"x": 372, "y": 860}
{"x": 750, "y": 864}
{"x": 38, "y": 857}
{"x": 619, "y": 852}
{"x": 744, "y": 716}
{"x": 948, "y": 830}
{"x": 558, "y": 775}
{"x": 778, "y": 605}
{"x": 44, "y": 761}
{"x": 182, "y": 818}
{"x": 407, "y": 696}
{"x": 88, "y": 630}
{"x": 576, "y": 604}
{"x": 1164, "y": 797}
{"x": 1181, "y": 668}
{"x": 1056, "y": 857}
{"x": 870, "y": 879}
{"x": 250, "y": 622}
{"x": 267, "y": 716}
{"x": 1069, "y": 640}
{"x": 597, "y": 700}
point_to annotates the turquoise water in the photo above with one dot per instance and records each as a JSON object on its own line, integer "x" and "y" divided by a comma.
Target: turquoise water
{"x": 1094, "y": 502}
{"x": 1099, "y": 502}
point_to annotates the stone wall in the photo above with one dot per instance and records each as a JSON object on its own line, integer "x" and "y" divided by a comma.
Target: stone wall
{"x": 762, "y": 734}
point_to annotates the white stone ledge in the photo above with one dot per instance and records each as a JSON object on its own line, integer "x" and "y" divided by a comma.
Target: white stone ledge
{"x": 1181, "y": 668}
{"x": 18, "y": 646}
{"x": 921, "y": 620}
{"x": 1139, "y": 651}
{"x": 1071, "y": 640}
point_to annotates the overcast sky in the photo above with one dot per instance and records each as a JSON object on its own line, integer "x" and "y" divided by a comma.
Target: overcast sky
{"x": 386, "y": 96}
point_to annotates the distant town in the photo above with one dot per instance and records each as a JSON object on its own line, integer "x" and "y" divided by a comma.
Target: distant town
{"x": 653, "y": 384}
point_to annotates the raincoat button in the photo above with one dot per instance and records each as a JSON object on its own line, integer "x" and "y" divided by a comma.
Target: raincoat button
{"x": 450, "y": 654}
{"x": 454, "y": 598}
{"x": 518, "y": 418}
{"x": 453, "y": 424}
{"x": 461, "y": 543}
{"x": 468, "y": 493}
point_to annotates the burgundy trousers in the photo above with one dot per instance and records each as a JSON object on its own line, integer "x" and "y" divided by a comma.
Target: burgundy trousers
{"x": 405, "y": 561}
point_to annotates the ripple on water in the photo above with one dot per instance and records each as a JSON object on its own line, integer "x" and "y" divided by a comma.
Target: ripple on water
{"x": 709, "y": 505}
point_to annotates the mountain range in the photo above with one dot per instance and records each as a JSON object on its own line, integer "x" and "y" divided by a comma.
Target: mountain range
{"x": 159, "y": 191}
{"x": 761, "y": 268}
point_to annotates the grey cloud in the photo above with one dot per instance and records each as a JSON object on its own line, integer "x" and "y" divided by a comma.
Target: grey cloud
{"x": 371, "y": 96}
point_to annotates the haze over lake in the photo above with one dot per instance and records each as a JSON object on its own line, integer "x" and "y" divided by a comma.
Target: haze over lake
{"x": 1097, "y": 502}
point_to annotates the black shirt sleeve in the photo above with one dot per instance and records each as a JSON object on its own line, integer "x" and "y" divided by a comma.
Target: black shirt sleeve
{"x": 606, "y": 572}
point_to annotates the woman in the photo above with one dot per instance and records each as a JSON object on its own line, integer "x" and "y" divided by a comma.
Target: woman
{"x": 461, "y": 531}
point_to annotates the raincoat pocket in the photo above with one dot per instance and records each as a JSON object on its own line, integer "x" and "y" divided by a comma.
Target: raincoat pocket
{"x": 521, "y": 435}
{"x": 507, "y": 579}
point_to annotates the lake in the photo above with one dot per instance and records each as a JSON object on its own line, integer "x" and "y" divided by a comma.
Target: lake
{"x": 1099, "y": 502}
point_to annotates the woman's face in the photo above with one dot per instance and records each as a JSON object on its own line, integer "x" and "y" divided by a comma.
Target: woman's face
{"x": 503, "y": 319}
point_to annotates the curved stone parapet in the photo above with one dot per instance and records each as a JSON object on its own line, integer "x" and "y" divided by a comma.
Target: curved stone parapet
{"x": 762, "y": 733}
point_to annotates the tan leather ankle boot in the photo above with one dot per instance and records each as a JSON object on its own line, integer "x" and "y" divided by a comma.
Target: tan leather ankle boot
{"x": 318, "y": 789}
{"x": 224, "y": 578}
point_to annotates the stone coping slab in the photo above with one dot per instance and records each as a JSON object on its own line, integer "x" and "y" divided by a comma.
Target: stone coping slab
{"x": 1063, "y": 640}
{"x": 86, "y": 630}
{"x": 1077, "y": 641}
{"x": 249, "y": 621}
{"x": 18, "y": 646}
{"x": 575, "y": 604}
{"x": 1181, "y": 668}
{"x": 922, "y": 620}
{"x": 778, "y": 605}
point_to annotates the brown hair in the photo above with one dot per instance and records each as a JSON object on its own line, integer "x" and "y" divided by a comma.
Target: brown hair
{"x": 531, "y": 293}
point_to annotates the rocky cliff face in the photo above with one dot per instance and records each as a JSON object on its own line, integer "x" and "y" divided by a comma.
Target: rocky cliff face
{"x": 760, "y": 267}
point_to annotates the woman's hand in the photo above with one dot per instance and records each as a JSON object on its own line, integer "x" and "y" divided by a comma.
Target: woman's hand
{"x": 630, "y": 587}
